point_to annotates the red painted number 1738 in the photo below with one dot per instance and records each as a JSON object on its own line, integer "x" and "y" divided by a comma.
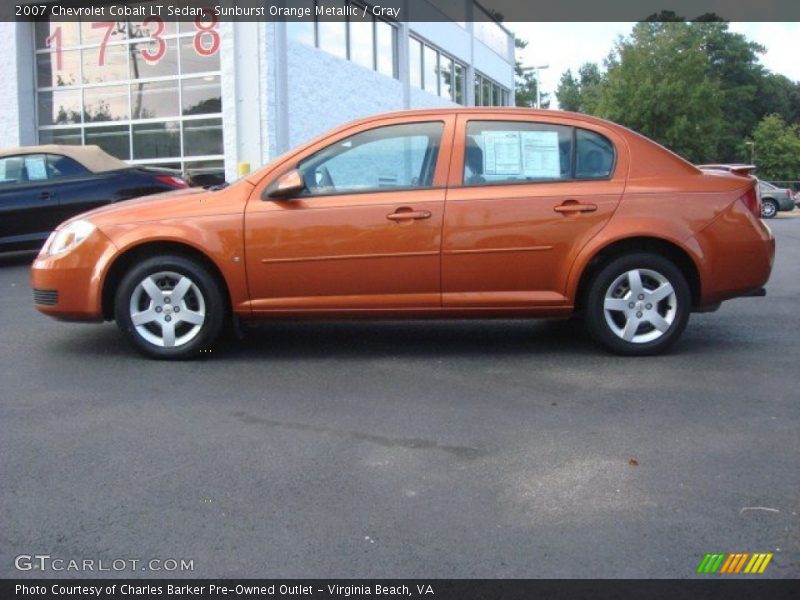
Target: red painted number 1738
{"x": 206, "y": 39}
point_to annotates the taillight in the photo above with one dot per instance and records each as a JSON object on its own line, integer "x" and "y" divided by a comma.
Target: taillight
{"x": 172, "y": 181}
{"x": 752, "y": 200}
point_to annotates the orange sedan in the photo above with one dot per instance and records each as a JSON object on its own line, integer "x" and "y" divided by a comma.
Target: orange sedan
{"x": 463, "y": 212}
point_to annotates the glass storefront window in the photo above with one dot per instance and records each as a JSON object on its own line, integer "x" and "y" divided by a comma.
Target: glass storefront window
{"x": 201, "y": 95}
{"x": 363, "y": 39}
{"x": 154, "y": 99}
{"x": 435, "y": 72}
{"x": 385, "y": 44}
{"x": 157, "y": 140}
{"x": 114, "y": 139}
{"x": 415, "y": 62}
{"x": 105, "y": 103}
{"x": 488, "y": 93}
{"x": 133, "y": 88}
{"x": 430, "y": 61}
{"x": 202, "y": 137}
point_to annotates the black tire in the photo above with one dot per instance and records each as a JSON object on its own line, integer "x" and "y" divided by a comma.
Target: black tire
{"x": 204, "y": 297}
{"x": 609, "y": 275}
{"x": 769, "y": 208}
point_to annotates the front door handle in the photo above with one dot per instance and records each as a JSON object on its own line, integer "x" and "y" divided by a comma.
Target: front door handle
{"x": 574, "y": 207}
{"x": 403, "y": 215}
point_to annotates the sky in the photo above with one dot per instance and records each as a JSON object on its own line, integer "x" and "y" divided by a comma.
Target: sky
{"x": 564, "y": 46}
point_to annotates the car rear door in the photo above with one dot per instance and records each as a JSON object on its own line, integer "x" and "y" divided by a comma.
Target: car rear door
{"x": 28, "y": 205}
{"x": 525, "y": 195}
{"x": 366, "y": 234}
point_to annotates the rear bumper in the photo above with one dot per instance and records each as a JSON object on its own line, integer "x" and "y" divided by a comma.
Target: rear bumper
{"x": 738, "y": 251}
{"x": 69, "y": 286}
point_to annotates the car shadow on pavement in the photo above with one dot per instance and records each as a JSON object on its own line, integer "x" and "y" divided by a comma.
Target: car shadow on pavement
{"x": 364, "y": 339}
{"x": 294, "y": 340}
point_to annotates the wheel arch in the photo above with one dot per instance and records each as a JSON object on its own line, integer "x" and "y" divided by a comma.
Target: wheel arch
{"x": 682, "y": 259}
{"x": 123, "y": 261}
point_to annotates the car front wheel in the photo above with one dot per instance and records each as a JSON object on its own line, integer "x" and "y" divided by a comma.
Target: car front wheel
{"x": 769, "y": 208}
{"x": 638, "y": 305}
{"x": 169, "y": 307}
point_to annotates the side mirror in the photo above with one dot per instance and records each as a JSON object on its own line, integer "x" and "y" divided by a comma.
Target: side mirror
{"x": 286, "y": 186}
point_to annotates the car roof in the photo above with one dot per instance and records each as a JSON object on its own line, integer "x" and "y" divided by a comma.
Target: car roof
{"x": 93, "y": 158}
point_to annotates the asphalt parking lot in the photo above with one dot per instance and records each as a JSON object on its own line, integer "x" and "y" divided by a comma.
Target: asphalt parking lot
{"x": 505, "y": 449}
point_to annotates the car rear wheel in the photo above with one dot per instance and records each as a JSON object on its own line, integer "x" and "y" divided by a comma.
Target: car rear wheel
{"x": 169, "y": 307}
{"x": 769, "y": 208}
{"x": 638, "y": 305}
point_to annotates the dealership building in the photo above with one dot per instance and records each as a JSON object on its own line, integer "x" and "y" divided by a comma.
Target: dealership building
{"x": 208, "y": 97}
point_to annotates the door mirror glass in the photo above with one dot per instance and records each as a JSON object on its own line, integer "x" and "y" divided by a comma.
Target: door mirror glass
{"x": 286, "y": 186}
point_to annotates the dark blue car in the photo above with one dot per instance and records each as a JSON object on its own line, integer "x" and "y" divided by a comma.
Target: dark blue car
{"x": 42, "y": 186}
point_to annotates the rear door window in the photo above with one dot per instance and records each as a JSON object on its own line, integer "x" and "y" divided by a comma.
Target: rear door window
{"x": 516, "y": 152}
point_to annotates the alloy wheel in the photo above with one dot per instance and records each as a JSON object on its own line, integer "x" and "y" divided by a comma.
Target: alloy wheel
{"x": 640, "y": 306}
{"x": 167, "y": 309}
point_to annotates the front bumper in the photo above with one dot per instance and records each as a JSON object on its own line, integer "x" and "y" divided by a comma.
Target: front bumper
{"x": 70, "y": 286}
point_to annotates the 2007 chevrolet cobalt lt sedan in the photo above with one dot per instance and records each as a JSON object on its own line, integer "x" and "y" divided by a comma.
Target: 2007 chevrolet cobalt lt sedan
{"x": 468, "y": 213}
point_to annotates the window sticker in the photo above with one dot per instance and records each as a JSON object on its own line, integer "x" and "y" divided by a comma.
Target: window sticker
{"x": 36, "y": 167}
{"x": 523, "y": 154}
{"x": 501, "y": 153}
{"x": 541, "y": 155}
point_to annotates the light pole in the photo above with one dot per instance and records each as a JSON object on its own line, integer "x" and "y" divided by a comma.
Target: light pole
{"x": 752, "y": 152}
{"x": 536, "y": 69}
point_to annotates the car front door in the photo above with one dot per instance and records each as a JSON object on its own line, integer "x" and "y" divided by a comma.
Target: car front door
{"x": 525, "y": 195}
{"x": 28, "y": 205}
{"x": 366, "y": 231}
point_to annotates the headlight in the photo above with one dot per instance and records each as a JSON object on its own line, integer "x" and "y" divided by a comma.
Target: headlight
{"x": 67, "y": 238}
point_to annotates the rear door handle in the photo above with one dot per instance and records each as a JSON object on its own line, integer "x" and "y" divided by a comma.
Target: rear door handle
{"x": 45, "y": 195}
{"x": 402, "y": 215}
{"x": 574, "y": 207}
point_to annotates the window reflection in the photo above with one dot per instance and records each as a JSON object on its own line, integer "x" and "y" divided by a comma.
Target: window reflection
{"x": 157, "y": 140}
{"x": 103, "y": 32}
{"x": 385, "y": 44}
{"x": 192, "y": 62}
{"x": 430, "y": 61}
{"x": 361, "y": 50}
{"x": 115, "y": 140}
{"x": 59, "y": 107}
{"x": 332, "y": 37}
{"x": 101, "y": 65}
{"x": 58, "y": 69}
{"x": 201, "y": 95}
{"x": 70, "y": 137}
{"x": 142, "y": 67}
{"x": 202, "y": 137}
{"x": 154, "y": 99}
{"x": 415, "y": 62}
{"x": 105, "y": 103}
{"x": 49, "y": 35}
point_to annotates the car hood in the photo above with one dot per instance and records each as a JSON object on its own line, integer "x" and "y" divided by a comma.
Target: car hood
{"x": 178, "y": 204}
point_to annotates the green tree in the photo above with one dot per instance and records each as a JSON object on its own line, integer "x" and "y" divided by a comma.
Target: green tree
{"x": 525, "y": 82}
{"x": 658, "y": 82}
{"x": 581, "y": 93}
{"x": 569, "y": 92}
{"x": 777, "y": 149}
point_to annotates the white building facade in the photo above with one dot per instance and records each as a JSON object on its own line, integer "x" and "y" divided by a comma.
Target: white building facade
{"x": 207, "y": 96}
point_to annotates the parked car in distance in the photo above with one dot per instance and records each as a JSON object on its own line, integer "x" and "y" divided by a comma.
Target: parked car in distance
{"x": 445, "y": 213}
{"x": 773, "y": 198}
{"x": 41, "y": 186}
